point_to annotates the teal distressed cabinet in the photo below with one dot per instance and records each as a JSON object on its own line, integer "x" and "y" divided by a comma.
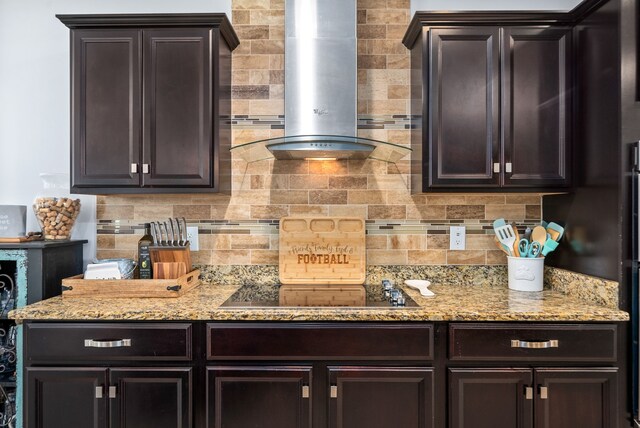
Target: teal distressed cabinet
{"x": 29, "y": 272}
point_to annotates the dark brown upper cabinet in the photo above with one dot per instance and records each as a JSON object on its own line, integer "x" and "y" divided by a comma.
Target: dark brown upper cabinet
{"x": 464, "y": 107}
{"x": 536, "y": 106}
{"x": 491, "y": 102}
{"x": 151, "y": 103}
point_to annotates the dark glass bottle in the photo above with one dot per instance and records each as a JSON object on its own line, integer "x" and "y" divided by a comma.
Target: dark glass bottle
{"x": 144, "y": 257}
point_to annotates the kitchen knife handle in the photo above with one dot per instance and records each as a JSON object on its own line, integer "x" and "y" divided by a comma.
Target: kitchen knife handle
{"x": 163, "y": 234}
{"x": 153, "y": 233}
{"x": 97, "y": 343}
{"x": 185, "y": 232}
{"x": 553, "y": 343}
{"x": 170, "y": 233}
{"x": 177, "y": 239}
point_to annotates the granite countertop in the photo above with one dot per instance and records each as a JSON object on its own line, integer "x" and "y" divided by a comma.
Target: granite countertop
{"x": 451, "y": 303}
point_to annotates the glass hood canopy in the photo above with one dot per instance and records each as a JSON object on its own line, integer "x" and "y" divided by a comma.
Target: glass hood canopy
{"x": 320, "y": 147}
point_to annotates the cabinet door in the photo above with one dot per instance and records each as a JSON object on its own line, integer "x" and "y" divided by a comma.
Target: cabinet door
{"x": 536, "y": 113}
{"x": 490, "y": 398}
{"x": 258, "y": 397}
{"x": 381, "y": 397}
{"x": 585, "y": 398}
{"x": 177, "y": 107}
{"x": 463, "y": 136}
{"x": 151, "y": 398}
{"x": 105, "y": 139}
{"x": 65, "y": 397}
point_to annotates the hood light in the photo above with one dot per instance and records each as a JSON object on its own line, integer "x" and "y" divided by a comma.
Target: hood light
{"x": 320, "y": 159}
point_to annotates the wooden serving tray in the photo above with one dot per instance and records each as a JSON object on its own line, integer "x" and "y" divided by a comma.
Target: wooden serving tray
{"x": 76, "y": 286}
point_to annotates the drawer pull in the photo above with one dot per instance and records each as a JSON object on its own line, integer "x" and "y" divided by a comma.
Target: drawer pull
{"x": 553, "y": 343}
{"x": 121, "y": 343}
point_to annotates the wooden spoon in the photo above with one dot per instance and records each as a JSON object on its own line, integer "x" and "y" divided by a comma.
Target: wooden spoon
{"x": 539, "y": 235}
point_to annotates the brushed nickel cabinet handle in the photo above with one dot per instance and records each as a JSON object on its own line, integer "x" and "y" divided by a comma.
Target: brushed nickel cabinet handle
{"x": 544, "y": 392}
{"x": 334, "y": 391}
{"x": 553, "y": 343}
{"x": 528, "y": 393}
{"x": 99, "y": 392}
{"x": 305, "y": 391}
{"x": 145, "y": 168}
{"x": 496, "y": 167}
{"x": 112, "y": 392}
{"x": 120, "y": 343}
{"x": 508, "y": 167}
{"x": 134, "y": 168}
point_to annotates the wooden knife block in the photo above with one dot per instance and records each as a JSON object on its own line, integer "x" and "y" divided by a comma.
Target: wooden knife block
{"x": 164, "y": 257}
{"x": 169, "y": 270}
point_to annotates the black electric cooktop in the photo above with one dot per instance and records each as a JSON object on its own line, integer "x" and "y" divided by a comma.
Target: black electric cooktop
{"x": 375, "y": 296}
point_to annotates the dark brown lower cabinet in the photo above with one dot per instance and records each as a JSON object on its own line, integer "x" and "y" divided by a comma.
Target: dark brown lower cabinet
{"x": 150, "y": 398}
{"x": 133, "y": 398}
{"x": 65, "y": 397}
{"x": 381, "y": 397}
{"x": 259, "y": 397}
{"x": 539, "y": 398}
{"x": 490, "y": 398}
{"x": 585, "y": 398}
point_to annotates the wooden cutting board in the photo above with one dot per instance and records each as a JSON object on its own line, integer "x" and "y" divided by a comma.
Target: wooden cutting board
{"x": 322, "y": 250}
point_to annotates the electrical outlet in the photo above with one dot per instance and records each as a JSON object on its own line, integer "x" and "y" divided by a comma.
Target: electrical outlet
{"x": 457, "y": 240}
{"x": 192, "y": 237}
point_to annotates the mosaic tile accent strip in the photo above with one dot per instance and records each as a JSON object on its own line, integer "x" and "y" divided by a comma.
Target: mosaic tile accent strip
{"x": 393, "y": 122}
{"x": 258, "y": 227}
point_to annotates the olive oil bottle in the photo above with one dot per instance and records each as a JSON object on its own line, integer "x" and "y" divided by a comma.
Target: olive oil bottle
{"x": 144, "y": 257}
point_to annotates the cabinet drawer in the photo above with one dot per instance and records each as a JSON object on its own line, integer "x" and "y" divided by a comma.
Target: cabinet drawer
{"x": 287, "y": 341}
{"x": 548, "y": 342}
{"x": 65, "y": 342}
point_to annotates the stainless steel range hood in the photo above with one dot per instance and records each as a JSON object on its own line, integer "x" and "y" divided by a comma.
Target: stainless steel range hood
{"x": 320, "y": 88}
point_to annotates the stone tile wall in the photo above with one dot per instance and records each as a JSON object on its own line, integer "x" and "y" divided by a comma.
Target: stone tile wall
{"x": 241, "y": 228}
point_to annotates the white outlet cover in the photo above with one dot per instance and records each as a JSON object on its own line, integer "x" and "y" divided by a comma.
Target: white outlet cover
{"x": 192, "y": 237}
{"x": 457, "y": 238}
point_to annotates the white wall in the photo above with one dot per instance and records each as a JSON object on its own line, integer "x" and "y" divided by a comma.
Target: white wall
{"x": 34, "y": 93}
{"x": 493, "y": 5}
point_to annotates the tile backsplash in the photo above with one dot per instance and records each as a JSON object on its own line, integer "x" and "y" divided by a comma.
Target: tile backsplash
{"x": 241, "y": 228}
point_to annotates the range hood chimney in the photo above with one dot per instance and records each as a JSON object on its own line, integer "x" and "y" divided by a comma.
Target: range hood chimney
{"x": 321, "y": 88}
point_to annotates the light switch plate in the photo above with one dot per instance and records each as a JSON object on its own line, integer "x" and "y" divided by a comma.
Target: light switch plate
{"x": 457, "y": 238}
{"x": 192, "y": 237}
